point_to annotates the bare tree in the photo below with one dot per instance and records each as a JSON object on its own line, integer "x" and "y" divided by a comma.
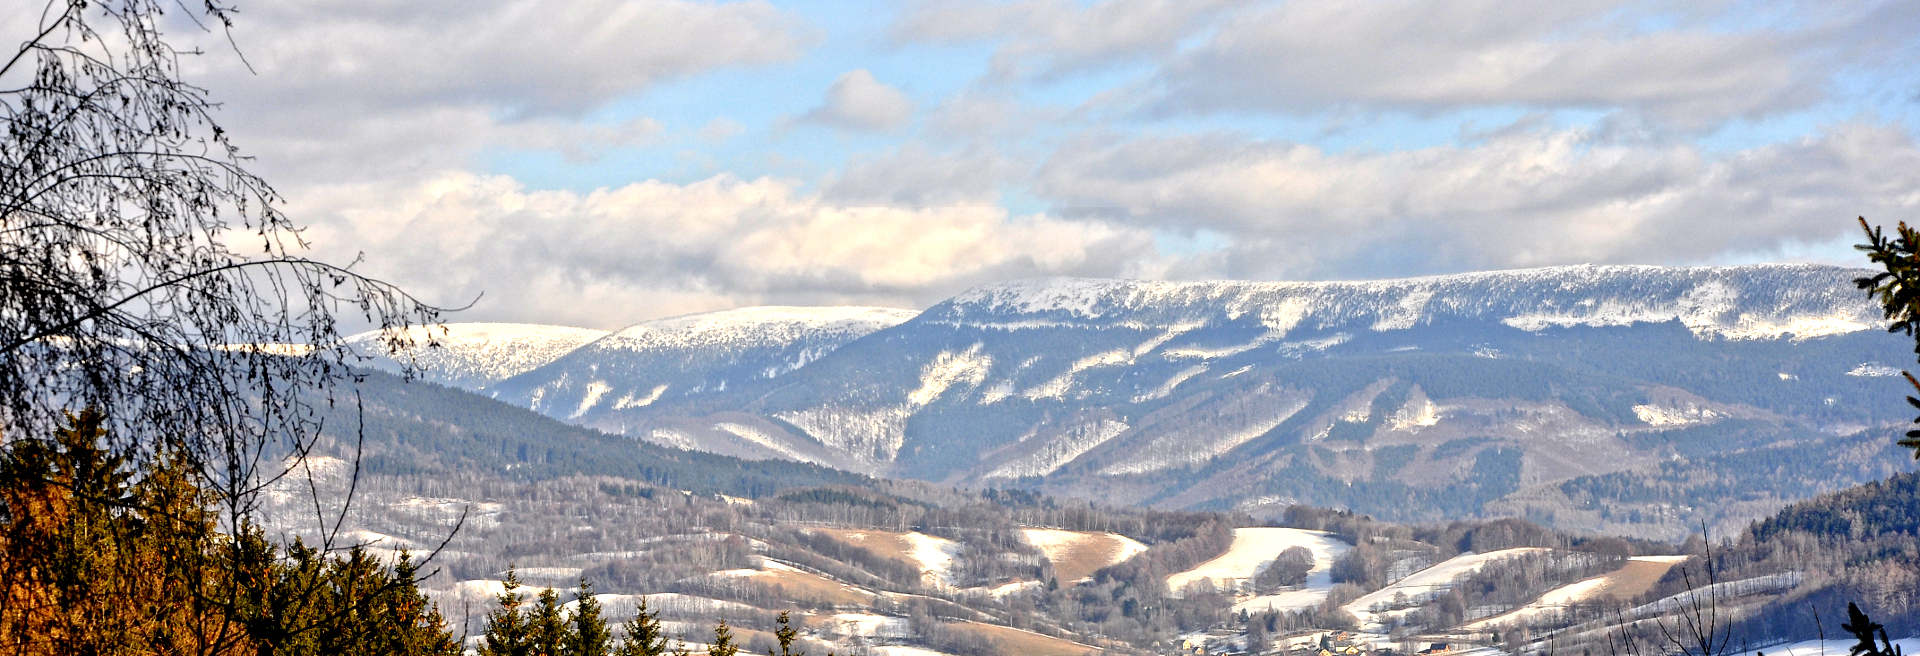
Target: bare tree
{"x": 146, "y": 272}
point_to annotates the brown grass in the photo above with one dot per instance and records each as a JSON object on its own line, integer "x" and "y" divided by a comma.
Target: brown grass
{"x": 1634, "y": 579}
{"x": 809, "y": 587}
{"x": 1013, "y": 641}
{"x": 1084, "y": 557}
{"x": 886, "y": 544}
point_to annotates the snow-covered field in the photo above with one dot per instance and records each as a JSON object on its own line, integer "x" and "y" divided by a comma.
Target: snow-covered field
{"x": 1005, "y": 590}
{"x": 1256, "y": 547}
{"x": 1620, "y": 583}
{"x": 1076, "y": 555}
{"x": 869, "y": 625}
{"x": 902, "y": 650}
{"x": 1424, "y": 584}
{"x": 1829, "y": 647}
{"x": 933, "y": 554}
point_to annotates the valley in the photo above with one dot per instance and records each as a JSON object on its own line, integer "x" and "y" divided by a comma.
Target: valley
{"x": 1627, "y": 400}
{"x": 1086, "y": 540}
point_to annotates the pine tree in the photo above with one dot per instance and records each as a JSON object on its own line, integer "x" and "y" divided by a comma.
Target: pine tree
{"x": 784, "y": 633}
{"x": 508, "y": 631}
{"x": 548, "y": 628}
{"x": 644, "y": 637}
{"x": 416, "y": 626}
{"x": 590, "y": 636}
{"x": 722, "y": 641}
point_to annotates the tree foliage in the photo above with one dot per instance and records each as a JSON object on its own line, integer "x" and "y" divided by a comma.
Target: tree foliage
{"x": 145, "y": 271}
{"x": 98, "y": 556}
{"x": 1896, "y": 286}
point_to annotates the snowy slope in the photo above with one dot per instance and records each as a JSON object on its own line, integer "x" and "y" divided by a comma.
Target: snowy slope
{"x": 1425, "y": 584}
{"x": 1450, "y": 391}
{"x": 1748, "y": 302}
{"x": 686, "y": 356}
{"x": 474, "y": 355}
{"x": 1254, "y": 548}
{"x": 1618, "y": 584}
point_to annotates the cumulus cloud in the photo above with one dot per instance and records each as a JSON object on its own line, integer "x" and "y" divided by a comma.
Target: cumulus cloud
{"x": 857, "y": 101}
{"x": 652, "y": 249}
{"x": 1516, "y": 199}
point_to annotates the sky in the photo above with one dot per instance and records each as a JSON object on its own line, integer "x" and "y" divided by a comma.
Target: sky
{"x": 602, "y": 162}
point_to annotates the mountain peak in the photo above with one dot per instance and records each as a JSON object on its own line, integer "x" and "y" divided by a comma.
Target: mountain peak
{"x": 773, "y": 323}
{"x": 1762, "y": 301}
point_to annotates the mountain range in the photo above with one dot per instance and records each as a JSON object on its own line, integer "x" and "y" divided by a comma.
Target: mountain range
{"x": 1631, "y": 399}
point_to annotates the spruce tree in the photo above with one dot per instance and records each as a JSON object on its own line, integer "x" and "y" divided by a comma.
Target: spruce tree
{"x": 418, "y": 628}
{"x": 508, "y": 632}
{"x": 784, "y": 633}
{"x": 722, "y": 641}
{"x": 548, "y": 628}
{"x": 644, "y": 637}
{"x": 590, "y": 636}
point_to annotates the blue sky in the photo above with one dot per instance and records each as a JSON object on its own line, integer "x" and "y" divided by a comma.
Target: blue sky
{"x": 631, "y": 159}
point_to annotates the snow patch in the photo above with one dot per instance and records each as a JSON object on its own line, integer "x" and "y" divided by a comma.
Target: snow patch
{"x": 1062, "y": 449}
{"x": 1166, "y": 388}
{"x": 1690, "y": 414}
{"x": 873, "y": 435}
{"x": 1178, "y": 449}
{"x": 630, "y": 401}
{"x": 595, "y": 390}
{"x": 762, "y": 438}
{"x": 1417, "y": 413}
{"x": 1057, "y": 387}
{"x": 968, "y": 368}
{"x": 934, "y": 555}
{"x": 1872, "y": 370}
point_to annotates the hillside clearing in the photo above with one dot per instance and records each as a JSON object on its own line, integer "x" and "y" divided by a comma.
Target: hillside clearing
{"x": 1425, "y": 584}
{"x": 1256, "y": 547}
{"x": 1631, "y": 580}
{"x": 1076, "y": 555}
{"x": 932, "y": 554}
{"x": 1027, "y": 643}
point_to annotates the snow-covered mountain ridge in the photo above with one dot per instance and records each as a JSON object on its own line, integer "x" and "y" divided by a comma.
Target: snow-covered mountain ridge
{"x": 473, "y": 355}
{"x": 755, "y": 326}
{"x": 687, "y": 356}
{"x": 1410, "y": 398}
{"x": 1767, "y": 301}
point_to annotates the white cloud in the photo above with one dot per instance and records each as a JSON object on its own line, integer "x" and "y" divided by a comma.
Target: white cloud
{"x": 1516, "y": 199}
{"x": 857, "y": 101}
{"x": 1690, "y": 66}
{"x": 366, "y": 89}
{"x": 1309, "y": 55}
{"x": 915, "y": 175}
{"x": 1050, "y": 37}
{"x": 652, "y": 249}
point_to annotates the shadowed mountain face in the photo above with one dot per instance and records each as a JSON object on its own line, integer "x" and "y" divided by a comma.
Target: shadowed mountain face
{"x": 1623, "y": 398}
